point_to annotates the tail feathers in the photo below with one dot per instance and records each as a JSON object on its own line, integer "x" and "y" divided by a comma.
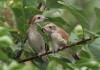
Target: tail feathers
{"x": 75, "y": 56}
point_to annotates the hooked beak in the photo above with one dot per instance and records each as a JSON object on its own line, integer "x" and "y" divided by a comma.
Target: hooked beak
{"x": 43, "y": 30}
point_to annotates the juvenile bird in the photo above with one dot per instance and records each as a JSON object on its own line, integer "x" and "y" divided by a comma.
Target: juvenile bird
{"x": 59, "y": 39}
{"x": 35, "y": 39}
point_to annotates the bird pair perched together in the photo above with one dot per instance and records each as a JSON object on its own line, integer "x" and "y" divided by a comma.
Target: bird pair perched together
{"x": 59, "y": 38}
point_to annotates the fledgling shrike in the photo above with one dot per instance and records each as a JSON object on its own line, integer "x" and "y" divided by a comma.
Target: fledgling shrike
{"x": 59, "y": 39}
{"x": 35, "y": 39}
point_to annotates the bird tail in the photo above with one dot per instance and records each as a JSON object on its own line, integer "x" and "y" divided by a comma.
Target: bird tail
{"x": 72, "y": 56}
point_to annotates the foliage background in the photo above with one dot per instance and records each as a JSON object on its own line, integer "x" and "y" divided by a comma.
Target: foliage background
{"x": 80, "y": 18}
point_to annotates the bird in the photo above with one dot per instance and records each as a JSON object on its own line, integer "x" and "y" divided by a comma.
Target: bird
{"x": 59, "y": 40}
{"x": 35, "y": 39}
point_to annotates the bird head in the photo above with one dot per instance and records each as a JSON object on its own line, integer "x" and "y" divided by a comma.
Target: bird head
{"x": 38, "y": 18}
{"x": 49, "y": 28}
{"x": 52, "y": 28}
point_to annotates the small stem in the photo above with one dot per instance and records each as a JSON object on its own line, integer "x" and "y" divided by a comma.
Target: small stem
{"x": 44, "y": 9}
{"x": 21, "y": 51}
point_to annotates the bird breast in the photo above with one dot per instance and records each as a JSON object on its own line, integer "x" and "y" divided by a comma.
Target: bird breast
{"x": 35, "y": 40}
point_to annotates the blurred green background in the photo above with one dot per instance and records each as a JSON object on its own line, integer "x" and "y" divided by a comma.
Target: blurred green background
{"x": 79, "y": 18}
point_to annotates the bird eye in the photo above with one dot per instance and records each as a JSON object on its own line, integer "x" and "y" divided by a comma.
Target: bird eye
{"x": 50, "y": 26}
{"x": 39, "y": 17}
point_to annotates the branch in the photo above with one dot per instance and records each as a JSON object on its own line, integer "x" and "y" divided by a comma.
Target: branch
{"x": 39, "y": 6}
{"x": 50, "y": 52}
{"x": 44, "y": 9}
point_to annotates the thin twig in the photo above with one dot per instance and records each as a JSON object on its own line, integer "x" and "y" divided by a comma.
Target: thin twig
{"x": 50, "y": 52}
{"x": 39, "y": 6}
{"x": 44, "y": 9}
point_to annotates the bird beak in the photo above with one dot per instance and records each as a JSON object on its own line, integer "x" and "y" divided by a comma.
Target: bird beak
{"x": 43, "y": 30}
{"x": 46, "y": 18}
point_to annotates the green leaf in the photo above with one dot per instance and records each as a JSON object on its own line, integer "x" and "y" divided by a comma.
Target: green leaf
{"x": 52, "y": 65}
{"x": 2, "y": 18}
{"x": 21, "y": 20}
{"x": 45, "y": 36}
{"x": 97, "y": 11}
{"x": 22, "y": 25}
{"x": 88, "y": 63}
{"x": 49, "y": 12}
{"x": 29, "y": 53}
{"x": 31, "y": 11}
{"x": 63, "y": 61}
{"x": 53, "y": 4}
{"x": 96, "y": 26}
{"x": 73, "y": 38}
{"x": 5, "y": 41}
{"x": 9, "y": 52}
{"x": 84, "y": 54}
{"x": 78, "y": 14}
{"x": 84, "y": 61}
{"x": 3, "y": 56}
{"x": 33, "y": 3}
{"x": 14, "y": 66}
{"x": 3, "y": 0}
{"x": 29, "y": 66}
{"x": 58, "y": 21}
{"x": 3, "y": 30}
{"x": 76, "y": 48}
{"x": 92, "y": 33}
{"x": 78, "y": 30}
{"x": 14, "y": 34}
{"x": 94, "y": 47}
{"x": 1, "y": 66}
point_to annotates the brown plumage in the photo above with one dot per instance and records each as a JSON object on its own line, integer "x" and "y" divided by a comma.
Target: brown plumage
{"x": 63, "y": 34}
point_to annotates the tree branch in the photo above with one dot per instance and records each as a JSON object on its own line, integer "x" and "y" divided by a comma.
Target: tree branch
{"x": 39, "y": 6}
{"x": 50, "y": 52}
{"x": 44, "y": 9}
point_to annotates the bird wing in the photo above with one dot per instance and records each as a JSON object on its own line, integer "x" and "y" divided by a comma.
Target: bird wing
{"x": 63, "y": 34}
{"x": 35, "y": 40}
